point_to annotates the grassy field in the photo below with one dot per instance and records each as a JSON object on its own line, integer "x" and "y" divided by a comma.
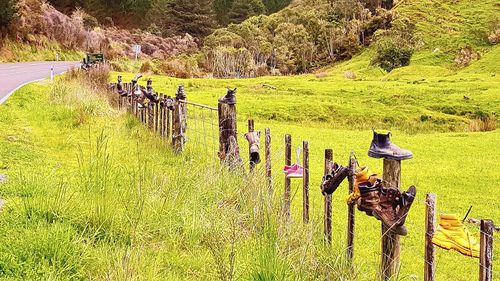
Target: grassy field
{"x": 92, "y": 195}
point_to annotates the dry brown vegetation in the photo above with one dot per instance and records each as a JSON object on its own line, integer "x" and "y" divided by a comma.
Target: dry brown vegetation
{"x": 37, "y": 22}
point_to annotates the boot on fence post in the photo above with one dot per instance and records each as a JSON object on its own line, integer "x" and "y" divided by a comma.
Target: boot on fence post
{"x": 179, "y": 121}
{"x": 228, "y": 129}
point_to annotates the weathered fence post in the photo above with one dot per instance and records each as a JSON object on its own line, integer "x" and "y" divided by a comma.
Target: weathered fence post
{"x": 486, "y": 251}
{"x": 327, "y": 218}
{"x": 268, "y": 160}
{"x": 390, "y": 241}
{"x": 151, "y": 121}
{"x": 169, "y": 114}
{"x": 350, "y": 212}
{"x": 250, "y": 130}
{"x": 161, "y": 116}
{"x": 288, "y": 162}
{"x": 157, "y": 115}
{"x": 179, "y": 121}
{"x": 430, "y": 228}
{"x": 305, "y": 182}
{"x": 228, "y": 135}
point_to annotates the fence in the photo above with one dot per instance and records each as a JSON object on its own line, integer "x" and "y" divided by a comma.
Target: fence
{"x": 181, "y": 122}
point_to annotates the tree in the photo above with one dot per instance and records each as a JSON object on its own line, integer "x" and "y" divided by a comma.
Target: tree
{"x": 6, "y": 12}
{"x": 272, "y": 6}
{"x": 195, "y": 17}
{"x": 243, "y": 9}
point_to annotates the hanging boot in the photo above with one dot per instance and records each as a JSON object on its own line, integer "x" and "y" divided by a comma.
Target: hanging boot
{"x": 407, "y": 199}
{"x": 452, "y": 234}
{"x": 229, "y": 98}
{"x": 332, "y": 181}
{"x": 382, "y": 147}
{"x": 253, "y": 139}
{"x": 390, "y": 198}
{"x": 369, "y": 198}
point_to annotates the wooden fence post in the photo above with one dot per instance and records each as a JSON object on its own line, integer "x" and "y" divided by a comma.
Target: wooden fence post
{"x": 227, "y": 131}
{"x": 390, "y": 241}
{"x": 157, "y": 115}
{"x": 268, "y": 160}
{"x": 486, "y": 251}
{"x": 151, "y": 121}
{"x": 169, "y": 114}
{"x": 327, "y": 218}
{"x": 350, "y": 212}
{"x": 179, "y": 122}
{"x": 305, "y": 183}
{"x": 288, "y": 162}
{"x": 430, "y": 228}
{"x": 250, "y": 130}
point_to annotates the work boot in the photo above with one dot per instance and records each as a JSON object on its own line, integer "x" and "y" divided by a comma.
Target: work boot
{"x": 332, "y": 181}
{"x": 382, "y": 147}
{"x": 390, "y": 198}
{"x": 369, "y": 198}
{"x": 253, "y": 139}
{"x": 229, "y": 98}
{"x": 181, "y": 94}
{"x": 407, "y": 199}
{"x": 452, "y": 234}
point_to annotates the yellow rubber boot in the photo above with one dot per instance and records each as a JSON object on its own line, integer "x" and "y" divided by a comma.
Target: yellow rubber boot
{"x": 361, "y": 175}
{"x": 452, "y": 234}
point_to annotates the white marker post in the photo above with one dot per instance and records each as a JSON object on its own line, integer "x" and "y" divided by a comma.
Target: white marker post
{"x": 51, "y": 73}
{"x": 137, "y": 50}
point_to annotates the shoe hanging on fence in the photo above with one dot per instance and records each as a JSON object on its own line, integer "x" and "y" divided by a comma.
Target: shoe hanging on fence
{"x": 295, "y": 170}
{"x": 229, "y": 98}
{"x": 382, "y": 147}
{"x": 332, "y": 181}
{"x": 453, "y": 235}
{"x": 253, "y": 139}
{"x": 362, "y": 175}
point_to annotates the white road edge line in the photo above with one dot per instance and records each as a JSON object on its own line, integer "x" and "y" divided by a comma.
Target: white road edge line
{"x": 22, "y": 85}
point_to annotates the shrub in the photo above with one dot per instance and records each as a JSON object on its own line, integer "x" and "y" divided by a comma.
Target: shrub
{"x": 89, "y": 22}
{"x": 465, "y": 56}
{"x": 482, "y": 125}
{"x": 391, "y": 54}
{"x": 395, "y": 46}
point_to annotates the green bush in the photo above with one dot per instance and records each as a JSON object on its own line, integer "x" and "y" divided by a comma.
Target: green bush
{"x": 7, "y": 12}
{"x": 391, "y": 55}
{"x": 395, "y": 46}
{"x": 90, "y": 22}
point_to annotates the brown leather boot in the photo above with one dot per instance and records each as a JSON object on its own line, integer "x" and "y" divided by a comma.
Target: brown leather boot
{"x": 387, "y": 212}
{"x": 369, "y": 199}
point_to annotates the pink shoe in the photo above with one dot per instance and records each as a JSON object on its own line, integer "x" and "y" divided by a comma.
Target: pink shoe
{"x": 294, "y": 171}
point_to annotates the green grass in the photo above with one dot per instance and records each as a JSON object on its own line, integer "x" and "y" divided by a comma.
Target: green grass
{"x": 92, "y": 194}
{"x": 43, "y": 50}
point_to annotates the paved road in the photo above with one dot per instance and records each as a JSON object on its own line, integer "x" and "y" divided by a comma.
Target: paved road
{"x": 14, "y": 75}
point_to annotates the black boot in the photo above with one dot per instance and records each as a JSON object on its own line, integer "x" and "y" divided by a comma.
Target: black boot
{"x": 382, "y": 147}
{"x": 230, "y": 97}
{"x": 332, "y": 181}
{"x": 406, "y": 201}
{"x": 181, "y": 94}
